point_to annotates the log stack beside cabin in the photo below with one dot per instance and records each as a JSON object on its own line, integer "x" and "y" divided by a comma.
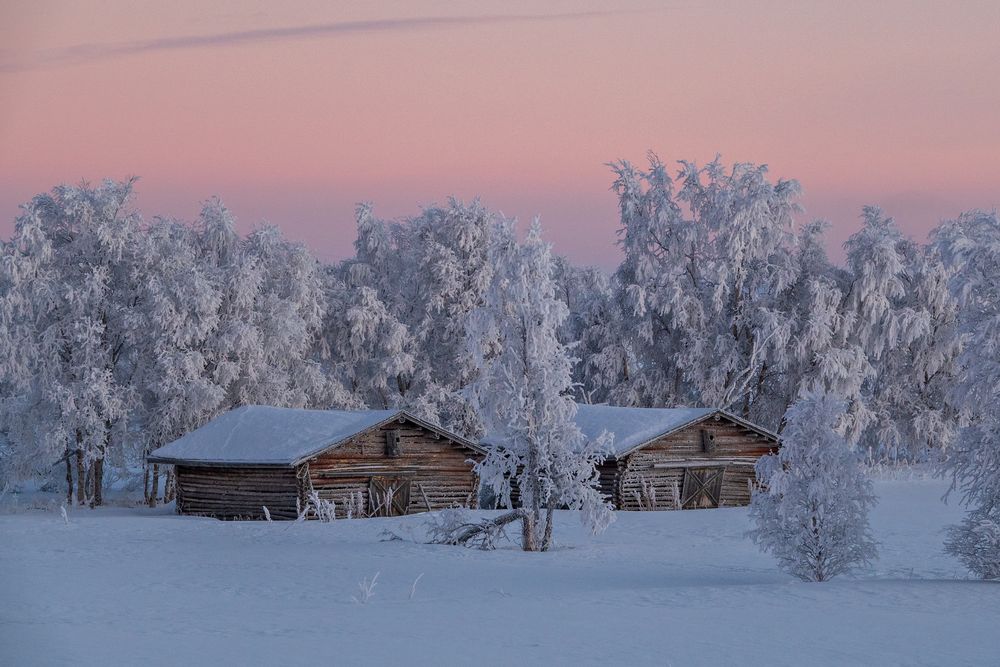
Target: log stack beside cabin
{"x": 676, "y": 458}
{"x": 375, "y": 462}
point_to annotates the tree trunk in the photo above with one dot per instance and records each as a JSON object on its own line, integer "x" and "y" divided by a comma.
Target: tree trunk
{"x": 547, "y": 539}
{"x": 81, "y": 491}
{"x": 528, "y": 542}
{"x": 154, "y": 488}
{"x": 69, "y": 477}
{"x": 90, "y": 486}
{"x": 169, "y": 486}
{"x": 98, "y": 482}
{"x": 145, "y": 482}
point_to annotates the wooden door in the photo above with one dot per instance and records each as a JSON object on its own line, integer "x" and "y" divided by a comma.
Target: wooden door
{"x": 388, "y": 496}
{"x": 702, "y": 487}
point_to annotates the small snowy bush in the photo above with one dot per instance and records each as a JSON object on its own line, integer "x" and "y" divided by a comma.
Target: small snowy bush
{"x": 366, "y": 589}
{"x": 970, "y": 246}
{"x": 354, "y": 506}
{"x": 976, "y": 542}
{"x": 975, "y": 466}
{"x": 324, "y": 510}
{"x": 811, "y": 508}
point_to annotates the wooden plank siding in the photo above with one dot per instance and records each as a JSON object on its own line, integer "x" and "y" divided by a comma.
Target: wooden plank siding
{"x": 236, "y": 493}
{"x": 440, "y": 472}
{"x": 648, "y": 476}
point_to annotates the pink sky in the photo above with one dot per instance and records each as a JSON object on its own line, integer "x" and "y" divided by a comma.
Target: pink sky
{"x": 292, "y": 114}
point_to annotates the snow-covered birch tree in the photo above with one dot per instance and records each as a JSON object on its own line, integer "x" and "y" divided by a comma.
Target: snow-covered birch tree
{"x": 75, "y": 330}
{"x": 703, "y": 284}
{"x": 901, "y": 314}
{"x": 810, "y": 509}
{"x": 524, "y": 396}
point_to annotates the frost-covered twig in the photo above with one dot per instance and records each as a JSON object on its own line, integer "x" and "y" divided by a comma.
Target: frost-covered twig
{"x": 366, "y": 589}
{"x": 354, "y": 506}
{"x": 413, "y": 586}
{"x": 324, "y": 510}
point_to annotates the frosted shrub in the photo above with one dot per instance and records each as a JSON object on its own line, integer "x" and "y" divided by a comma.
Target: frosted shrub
{"x": 366, "y": 589}
{"x": 976, "y": 542}
{"x": 975, "y": 467}
{"x": 811, "y": 509}
{"x": 354, "y": 506}
{"x": 324, "y": 510}
{"x": 970, "y": 246}
{"x": 646, "y": 498}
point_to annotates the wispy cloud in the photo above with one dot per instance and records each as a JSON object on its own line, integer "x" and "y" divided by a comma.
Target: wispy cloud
{"x": 83, "y": 53}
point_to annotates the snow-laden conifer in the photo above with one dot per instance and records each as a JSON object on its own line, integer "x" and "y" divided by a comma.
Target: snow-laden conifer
{"x": 810, "y": 509}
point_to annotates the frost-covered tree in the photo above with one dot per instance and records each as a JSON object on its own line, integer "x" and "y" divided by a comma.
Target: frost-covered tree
{"x": 811, "y": 507}
{"x": 820, "y": 356}
{"x": 703, "y": 283}
{"x": 270, "y": 315}
{"x": 72, "y": 266}
{"x": 900, "y": 312}
{"x": 427, "y": 274}
{"x": 179, "y": 314}
{"x": 594, "y": 330}
{"x": 524, "y": 396}
{"x": 25, "y": 408}
{"x": 970, "y": 248}
{"x": 363, "y": 341}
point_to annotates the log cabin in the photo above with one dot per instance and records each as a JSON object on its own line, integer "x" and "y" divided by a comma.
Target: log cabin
{"x": 676, "y": 458}
{"x": 672, "y": 458}
{"x": 367, "y": 462}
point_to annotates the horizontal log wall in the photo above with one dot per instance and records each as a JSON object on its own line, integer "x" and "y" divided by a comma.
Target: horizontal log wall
{"x": 440, "y": 472}
{"x": 236, "y": 493}
{"x": 649, "y": 476}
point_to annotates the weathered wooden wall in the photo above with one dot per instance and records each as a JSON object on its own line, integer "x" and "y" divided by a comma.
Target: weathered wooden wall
{"x": 658, "y": 468}
{"x": 440, "y": 472}
{"x": 237, "y": 492}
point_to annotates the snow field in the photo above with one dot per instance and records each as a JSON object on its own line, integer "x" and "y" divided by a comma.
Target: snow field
{"x": 131, "y": 586}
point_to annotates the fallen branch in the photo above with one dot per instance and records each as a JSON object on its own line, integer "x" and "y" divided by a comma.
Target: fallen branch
{"x": 451, "y": 527}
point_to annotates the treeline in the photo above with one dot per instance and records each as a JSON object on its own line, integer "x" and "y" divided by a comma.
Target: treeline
{"x": 118, "y": 335}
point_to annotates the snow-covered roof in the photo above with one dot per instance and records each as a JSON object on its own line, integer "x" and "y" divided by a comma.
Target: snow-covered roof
{"x": 634, "y": 427}
{"x": 265, "y": 435}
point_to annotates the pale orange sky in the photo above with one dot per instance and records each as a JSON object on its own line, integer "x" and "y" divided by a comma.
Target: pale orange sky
{"x": 893, "y": 103}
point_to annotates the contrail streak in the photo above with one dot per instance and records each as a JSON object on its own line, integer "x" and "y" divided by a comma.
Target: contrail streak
{"x": 82, "y": 53}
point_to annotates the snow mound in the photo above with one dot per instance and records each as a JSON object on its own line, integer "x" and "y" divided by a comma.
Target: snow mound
{"x": 264, "y": 435}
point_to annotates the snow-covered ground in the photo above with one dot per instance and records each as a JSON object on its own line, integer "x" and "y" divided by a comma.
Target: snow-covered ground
{"x": 137, "y": 586}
